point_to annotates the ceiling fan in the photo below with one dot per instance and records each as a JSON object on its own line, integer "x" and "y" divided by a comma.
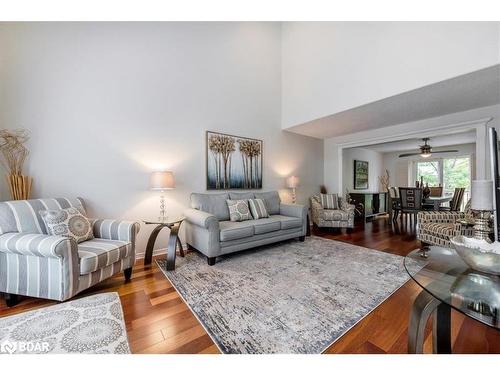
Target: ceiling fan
{"x": 426, "y": 150}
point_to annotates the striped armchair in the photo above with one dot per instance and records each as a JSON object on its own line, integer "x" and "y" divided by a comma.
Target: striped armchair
{"x": 437, "y": 227}
{"x": 341, "y": 218}
{"x": 33, "y": 263}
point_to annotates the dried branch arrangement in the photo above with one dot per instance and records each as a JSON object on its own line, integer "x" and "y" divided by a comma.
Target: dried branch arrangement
{"x": 14, "y": 152}
{"x": 385, "y": 180}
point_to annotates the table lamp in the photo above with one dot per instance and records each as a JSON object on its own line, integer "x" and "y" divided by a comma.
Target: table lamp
{"x": 482, "y": 205}
{"x": 292, "y": 182}
{"x": 162, "y": 180}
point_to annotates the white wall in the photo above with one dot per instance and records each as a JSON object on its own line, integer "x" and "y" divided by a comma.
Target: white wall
{"x": 107, "y": 103}
{"x": 375, "y": 169}
{"x": 401, "y": 173}
{"x": 329, "y": 67}
{"x": 333, "y": 146}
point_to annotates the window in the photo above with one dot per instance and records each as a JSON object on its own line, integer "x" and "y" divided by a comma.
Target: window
{"x": 429, "y": 171}
{"x": 450, "y": 173}
{"x": 457, "y": 173}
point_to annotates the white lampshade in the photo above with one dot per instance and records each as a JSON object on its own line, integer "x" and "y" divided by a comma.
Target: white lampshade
{"x": 292, "y": 182}
{"x": 163, "y": 180}
{"x": 482, "y": 195}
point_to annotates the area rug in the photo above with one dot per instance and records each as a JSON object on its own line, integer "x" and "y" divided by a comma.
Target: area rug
{"x": 91, "y": 324}
{"x": 291, "y": 297}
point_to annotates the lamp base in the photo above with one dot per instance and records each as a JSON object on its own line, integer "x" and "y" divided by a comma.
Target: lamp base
{"x": 482, "y": 228}
{"x": 163, "y": 215}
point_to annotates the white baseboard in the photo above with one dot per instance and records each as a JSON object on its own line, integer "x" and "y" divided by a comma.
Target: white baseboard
{"x": 157, "y": 252}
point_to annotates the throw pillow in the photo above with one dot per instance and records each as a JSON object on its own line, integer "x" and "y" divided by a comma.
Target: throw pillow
{"x": 68, "y": 222}
{"x": 329, "y": 201}
{"x": 258, "y": 208}
{"x": 238, "y": 210}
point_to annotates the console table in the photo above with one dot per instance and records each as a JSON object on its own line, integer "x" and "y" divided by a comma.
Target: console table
{"x": 369, "y": 205}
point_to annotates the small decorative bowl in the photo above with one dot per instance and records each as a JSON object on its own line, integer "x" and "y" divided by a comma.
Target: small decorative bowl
{"x": 479, "y": 255}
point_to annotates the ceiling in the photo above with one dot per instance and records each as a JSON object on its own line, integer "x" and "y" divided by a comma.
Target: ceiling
{"x": 414, "y": 144}
{"x": 473, "y": 90}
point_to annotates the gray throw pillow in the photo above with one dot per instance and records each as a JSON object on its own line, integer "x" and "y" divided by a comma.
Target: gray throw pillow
{"x": 330, "y": 201}
{"x": 272, "y": 200}
{"x": 69, "y": 222}
{"x": 258, "y": 208}
{"x": 238, "y": 210}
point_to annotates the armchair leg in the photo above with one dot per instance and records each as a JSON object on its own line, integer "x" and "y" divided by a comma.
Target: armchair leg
{"x": 11, "y": 299}
{"x": 127, "y": 273}
{"x": 211, "y": 261}
{"x": 302, "y": 238}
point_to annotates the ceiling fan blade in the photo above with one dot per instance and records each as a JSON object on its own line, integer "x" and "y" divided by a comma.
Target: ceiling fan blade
{"x": 442, "y": 152}
{"x": 405, "y": 155}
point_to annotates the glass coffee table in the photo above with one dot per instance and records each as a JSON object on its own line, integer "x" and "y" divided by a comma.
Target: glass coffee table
{"x": 448, "y": 283}
{"x": 173, "y": 224}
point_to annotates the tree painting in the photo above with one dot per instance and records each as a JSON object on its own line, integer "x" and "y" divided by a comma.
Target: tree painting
{"x": 233, "y": 162}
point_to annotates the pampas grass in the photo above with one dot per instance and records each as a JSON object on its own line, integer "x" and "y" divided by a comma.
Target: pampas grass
{"x": 14, "y": 154}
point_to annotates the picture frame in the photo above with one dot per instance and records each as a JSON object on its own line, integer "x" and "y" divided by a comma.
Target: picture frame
{"x": 361, "y": 175}
{"x": 233, "y": 162}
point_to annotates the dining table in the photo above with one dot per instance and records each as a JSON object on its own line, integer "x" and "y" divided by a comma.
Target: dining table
{"x": 436, "y": 202}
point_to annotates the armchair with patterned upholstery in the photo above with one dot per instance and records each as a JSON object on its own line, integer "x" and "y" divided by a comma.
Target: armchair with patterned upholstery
{"x": 341, "y": 218}
{"x": 437, "y": 227}
{"x": 34, "y": 263}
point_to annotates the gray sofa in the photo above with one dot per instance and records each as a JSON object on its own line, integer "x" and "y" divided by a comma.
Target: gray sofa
{"x": 209, "y": 230}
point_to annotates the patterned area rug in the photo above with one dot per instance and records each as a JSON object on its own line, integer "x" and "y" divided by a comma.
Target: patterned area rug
{"x": 292, "y": 297}
{"x": 91, "y": 324}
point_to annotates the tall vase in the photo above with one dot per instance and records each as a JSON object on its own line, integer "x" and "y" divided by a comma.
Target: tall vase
{"x": 20, "y": 186}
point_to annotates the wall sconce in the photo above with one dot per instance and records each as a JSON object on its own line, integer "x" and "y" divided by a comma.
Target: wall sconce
{"x": 292, "y": 182}
{"x": 163, "y": 180}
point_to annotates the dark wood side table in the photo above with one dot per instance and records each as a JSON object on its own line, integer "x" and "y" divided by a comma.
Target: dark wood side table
{"x": 173, "y": 241}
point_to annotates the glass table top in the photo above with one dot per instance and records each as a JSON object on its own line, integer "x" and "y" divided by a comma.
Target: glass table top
{"x": 446, "y": 277}
{"x": 168, "y": 221}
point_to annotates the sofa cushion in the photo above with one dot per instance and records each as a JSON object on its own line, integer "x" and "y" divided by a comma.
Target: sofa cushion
{"x": 288, "y": 222}
{"x": 238, "y": 210}
{"x": 266, "y": 225}
{"x": 335, "y": 215}
{"x": 98, "y": 253}
{"x": 272, "y": 199}
{"x": 241, "y": 195}
{"x": 233, "y": 230}
{"x": 214, "y": 204}
{"x": 441, "y": 230}
{"x": 23, "y": 216}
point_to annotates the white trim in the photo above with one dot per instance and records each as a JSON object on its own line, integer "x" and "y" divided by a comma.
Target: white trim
{"x": 479, "y": 125}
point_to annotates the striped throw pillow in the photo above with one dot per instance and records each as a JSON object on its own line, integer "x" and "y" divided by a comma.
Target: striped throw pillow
{"x": 329, "y": 201}
{"x": 258, "y": 208}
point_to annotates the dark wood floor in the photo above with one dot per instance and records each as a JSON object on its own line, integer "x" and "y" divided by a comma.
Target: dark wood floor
{"x": 158, "y": 321}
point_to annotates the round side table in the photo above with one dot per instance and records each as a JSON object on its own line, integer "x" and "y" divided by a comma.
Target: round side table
{"x": 173, "y": 241}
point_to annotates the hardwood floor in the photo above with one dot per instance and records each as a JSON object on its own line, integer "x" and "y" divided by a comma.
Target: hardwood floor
{"x": 158, "y": 321}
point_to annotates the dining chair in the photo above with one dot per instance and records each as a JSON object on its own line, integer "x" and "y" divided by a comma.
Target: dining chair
{"x": 456, "y": 201}
{"x": 411, "y": 202}
{"x": 436, "y": 191}
{"x": 394, "y": 203}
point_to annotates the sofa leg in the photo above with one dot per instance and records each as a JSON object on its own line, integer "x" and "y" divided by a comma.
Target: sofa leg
{"x": 127, "y": 273}
{"x": 302, "y": 238}
{"x": 211, "y": 261}
{"x": 11, "y": 299}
